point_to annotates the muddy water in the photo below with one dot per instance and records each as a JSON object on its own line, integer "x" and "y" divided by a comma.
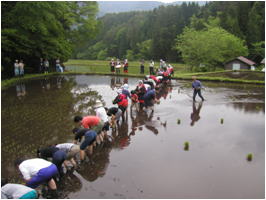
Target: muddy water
{"x": 146, "y": 157}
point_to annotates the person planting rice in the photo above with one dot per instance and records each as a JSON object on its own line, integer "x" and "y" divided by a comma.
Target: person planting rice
{"x": 115, "y": 114}
{"x": 16, "y": 191}
{"x": 140, "y": 90}
{"x": 196, "y": 85}
{"x": 90, "y": 138}
{"x": 134, "y": 100}
{"x": 101, "y": 113}
{"x": 37, "y": 171}
{"x": 92, "y": 123}
{"x": 71, "y": 150}
{"x": 149, "y": 98}
{"x": 58, "y": 156}
{"x": 125, "y": 90}
{"x": 122, "y": 102}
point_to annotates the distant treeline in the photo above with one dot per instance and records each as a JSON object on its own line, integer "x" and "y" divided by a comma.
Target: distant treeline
{"x": 153, "y": 34}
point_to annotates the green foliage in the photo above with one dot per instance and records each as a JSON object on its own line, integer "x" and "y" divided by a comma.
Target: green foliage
{"x": 31, "y": 30}
{"x": 212, "y": 47}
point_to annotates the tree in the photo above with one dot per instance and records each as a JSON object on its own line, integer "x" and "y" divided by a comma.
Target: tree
{"x": 31, "y": 30}
{"x": 211, "y": 47}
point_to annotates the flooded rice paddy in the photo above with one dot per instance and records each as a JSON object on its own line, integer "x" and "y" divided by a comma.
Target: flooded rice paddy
{"x": 147, "y": 157}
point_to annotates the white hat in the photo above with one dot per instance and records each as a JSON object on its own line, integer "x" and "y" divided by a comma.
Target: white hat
{"x": 98, "y": 104}
{"x": 125, "y": 86}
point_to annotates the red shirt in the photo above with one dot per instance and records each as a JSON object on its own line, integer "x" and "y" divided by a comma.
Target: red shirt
{"x": 90, "y": 121}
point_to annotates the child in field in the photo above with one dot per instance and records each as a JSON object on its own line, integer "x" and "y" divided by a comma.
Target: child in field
{"x": 37, "y": 171}
{"x": 16, "y": 191}
{"x": 71, "y": 150}
{"x": 115, "y": 114}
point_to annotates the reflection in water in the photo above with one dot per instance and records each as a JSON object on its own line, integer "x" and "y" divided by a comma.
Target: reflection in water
{"x": 195, "y": 114}
{"x": 47, "y": 118}
{"x": 97, "y": 163}
{"x": 21, "y": 90}
{"x": 69, "y": 183}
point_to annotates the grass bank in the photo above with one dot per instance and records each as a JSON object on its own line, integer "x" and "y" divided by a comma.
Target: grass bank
{"x": 91, "y": 67}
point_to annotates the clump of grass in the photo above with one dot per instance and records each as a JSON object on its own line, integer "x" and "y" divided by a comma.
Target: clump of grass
{"x": 222, "y": 120}
{"x": 178, "y": 121}
{"x": 186, "y": 146}
{"x": 249, "y": 157}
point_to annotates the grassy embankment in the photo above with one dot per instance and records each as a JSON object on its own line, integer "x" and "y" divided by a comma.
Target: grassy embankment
{"x": 181, "y": 72}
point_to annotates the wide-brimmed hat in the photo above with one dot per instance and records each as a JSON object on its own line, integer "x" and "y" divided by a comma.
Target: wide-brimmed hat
{"x": 119, "y": 91}
{"x": 98, "y": 104}
{"x": 125, "y": 86}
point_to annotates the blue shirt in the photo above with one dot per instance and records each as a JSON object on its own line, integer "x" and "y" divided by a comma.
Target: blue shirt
{"x": 196, "y": 84}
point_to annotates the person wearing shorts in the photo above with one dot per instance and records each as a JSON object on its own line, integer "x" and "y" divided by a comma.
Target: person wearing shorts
{"x": 58, "y": 156}
{"x": 90, "y": 137}
{"x": 71, "y": 150}
{"x": 37, "y": 171}
{"x": 17, "y": 191}
{"x": 91, "y": 122}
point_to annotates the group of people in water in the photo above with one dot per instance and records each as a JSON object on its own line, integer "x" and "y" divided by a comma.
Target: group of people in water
{"x": 90, "y": 131}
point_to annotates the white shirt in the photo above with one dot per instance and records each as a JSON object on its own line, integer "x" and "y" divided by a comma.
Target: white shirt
{"x": 31, "y": 167}
{"x": 147, "y": 86}
{"x": 101, "y": 113}
{"x": 15, "y": 191}
{"x": 65, "y": 147}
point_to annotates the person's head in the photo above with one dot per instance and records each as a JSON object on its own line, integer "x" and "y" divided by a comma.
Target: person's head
{"x": 125, "y": 86}
{"x": 98, "y": 104}
{"x": 77, "y": 119}
{"x": 75, "y": 130}
{"x": 194, "y": 78}
{"x": 4, "y": 181}
{"x": 16, "y": 61}
{"x": 18, "y": 162}
{"x": 140, "y": 82}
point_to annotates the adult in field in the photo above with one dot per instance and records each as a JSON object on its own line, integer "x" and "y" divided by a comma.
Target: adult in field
{"x": 16, "y": 191}
{"x": 41, "y": 66}
{"x": 101, "y": 113}
{"x": 115, "y": 114}
{"x": 16, "y": 68}
{"x": 93, "y": 123}
{"x": 142, "y": 66}
{"x": 90, "y": 137}
{"x": 37, "y": 171}
{"x": 46, "y": 66}
{"x": 151, "y": 67}
{"x": 71, "y": 151}
{"x": 21, "y": 68}
{"x": 58, "y": 156}
{"x": 112, "y": 66}
{"x": 196, "y": 85}
{"x": 126, "y": 66}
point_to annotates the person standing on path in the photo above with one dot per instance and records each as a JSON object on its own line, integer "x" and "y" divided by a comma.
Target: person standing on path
{"x": 21, "y": 68}
{"x": 16, "y": 68}
{"x": 151, "y": 67}
{"x": 142, "y": 66}
{"x": 41, "y": 66}
{"x": 196, "y": 85}
{"x": 46, "y": 66}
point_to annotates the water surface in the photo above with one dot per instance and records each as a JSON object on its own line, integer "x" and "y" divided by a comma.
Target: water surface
{"x": 146, "y": 158}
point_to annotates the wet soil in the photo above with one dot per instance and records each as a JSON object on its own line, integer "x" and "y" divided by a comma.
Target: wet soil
{"x": 146, "y": 157}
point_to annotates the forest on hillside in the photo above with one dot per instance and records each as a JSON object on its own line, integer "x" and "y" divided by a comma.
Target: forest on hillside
{"x": 208, "y": 34}
{"x": 153, "y": 34}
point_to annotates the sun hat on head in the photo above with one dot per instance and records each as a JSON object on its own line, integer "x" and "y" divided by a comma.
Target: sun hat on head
{"x": 98, "y": 104}
{"x": 140, "y": 81}
{"x": 125, "y": 86}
